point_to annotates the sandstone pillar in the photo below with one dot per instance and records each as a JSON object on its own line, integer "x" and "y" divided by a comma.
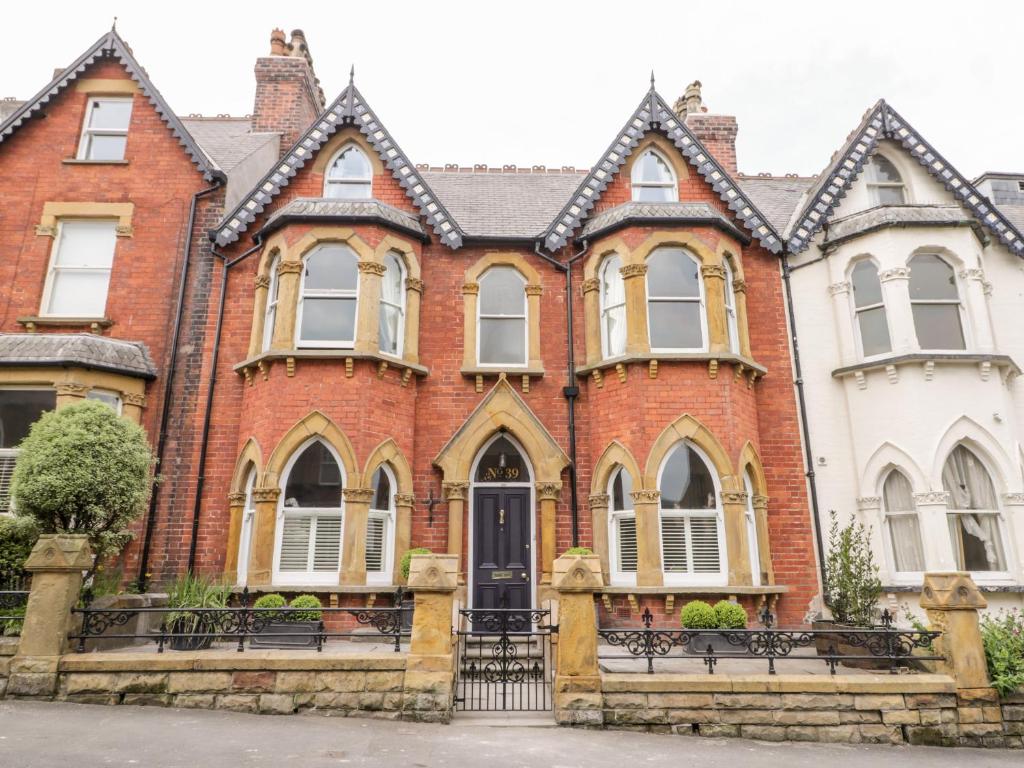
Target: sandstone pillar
{"x": 403, "y": 532}
{"x": 647, "y": 505}
{"x": 714, "y": 296}
{"x": 763, "y": 542}
{"x": 413, "y": 293}
{"x": 739, "y": 289}
{"x": 261, "y": 559}
{"x": 288, "y": 273}
{"x": 737, "y": 543}
{"x": 353, "y": 543}
{"x": 952, "y": 602}
{"x": 455, "y": 494}
{"x": 634, "y": 278}
{"x": 599, "y": 521}
{"x": 547, "y": 496}
{"x": 592, "y": 320}
{"x": 236, "y": 505}
{"x": 368, "y": 309}
{"x": 577, "y": 696}
{"x": 430, "y": 666}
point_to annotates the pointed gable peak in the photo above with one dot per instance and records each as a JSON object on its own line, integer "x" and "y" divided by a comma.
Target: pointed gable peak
{"x": 883, "y": 122}
{"x": 348, "y": 109}
{"x": 654, "y": 113}
{"x": 111, "y": 46}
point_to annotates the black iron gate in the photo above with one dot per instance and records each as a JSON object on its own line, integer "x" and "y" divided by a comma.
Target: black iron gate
{"x": 505, "y": 660}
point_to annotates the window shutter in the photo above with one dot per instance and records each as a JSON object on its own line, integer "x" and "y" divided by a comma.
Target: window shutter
{"x": 704, "y": 536}
{"x": 295, "y": 543}
{"x": 375, "y": 528}
{"x": 673, "y": 545}
{"x": 626, "y": 536}
{"x": 7, "y": 459}
{"x": 327, "y": 544}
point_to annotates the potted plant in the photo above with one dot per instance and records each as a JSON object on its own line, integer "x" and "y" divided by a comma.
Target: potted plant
{"x": 295, "y": 628}
{"x": 193, "y": 631}
{"x": 697, "y": 615}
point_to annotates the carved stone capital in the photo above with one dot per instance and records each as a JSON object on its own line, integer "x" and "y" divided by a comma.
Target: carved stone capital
{"x": 471, "y": 288}
{"x": 739, "y": 286}
{"x": 454, "y": 490}
{"x": 549, "y": 491}
{"x": 632, "y": 270}
{"x": 236, "y": 499}
{"x": 130, "y": 398}
{"x": 534, "y": 290}
{"x": 734, "y": 497}
{"x": 716, "y": 271}
{"x": 1014, "y": 499}
{"x": 954, "y": 591}
{"x": 837, "y": 288}
{"x": 590, "y": 284}
{"x": 371, "y": 268}
{"x": 265, "y": 495}
{"x": 896, "y": 273}
{"x": 289, "y": 268}
{"x": 72, "y": 389}
{"x": 414, "y": 284}
{"x": 865, "y": 503}
{"x": 262, "y": 281}
{"x": 357, "y": 495}
{"x": 434, "y": 573}
{"x": 404, "y": 499}
{"x": 646, "y": 497}
{"x": 759, "y": 501}
{"x": 931, "y": 497}
{"x": 599, "y": 501}
{"x": 974, "y": 273}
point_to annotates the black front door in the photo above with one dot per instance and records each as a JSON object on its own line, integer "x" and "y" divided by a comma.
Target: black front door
{"x": 501, "y": 548}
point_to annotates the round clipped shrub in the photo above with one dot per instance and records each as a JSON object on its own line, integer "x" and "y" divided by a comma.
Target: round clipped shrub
{"x": 699, "y": 615}
{"x": 271, "y": 600}
{"x": 17, "y": 537}
{"x": 312, "y": 605}
{"x": 730, "y": 615}
{"x": 578, "y": 551}
{"x": 407, "y": 559}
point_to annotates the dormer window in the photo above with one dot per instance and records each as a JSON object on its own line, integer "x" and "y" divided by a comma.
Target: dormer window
{"x": 349, "y": 176}
{"x": 885, "y": 183}
{"x": 105, "y": 132}
{"x": 653, "y": 180}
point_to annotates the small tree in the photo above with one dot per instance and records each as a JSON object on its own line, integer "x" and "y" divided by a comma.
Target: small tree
{"x": 852, "y": 586}
{"x": 84, "y": 469}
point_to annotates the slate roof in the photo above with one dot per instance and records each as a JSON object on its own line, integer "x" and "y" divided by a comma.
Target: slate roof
{"x": 692, "y": 213}
{"x": 80, "y": 349}
{"x": 227, "y": 141}
{"x": 897, "y": 215}
{"x": 776, "y": 197}
{"x": 311, "y": 208}
{"x": 1015, "y": 213}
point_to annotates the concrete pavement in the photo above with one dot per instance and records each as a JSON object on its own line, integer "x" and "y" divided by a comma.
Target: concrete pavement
{"x": 45, "y": 735}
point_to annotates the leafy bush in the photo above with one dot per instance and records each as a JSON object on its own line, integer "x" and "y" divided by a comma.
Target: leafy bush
{"x": 578, "y": 551}
{"x": 193, "y": 591}
{"x": 852, "y": 586}
{"x": 84, "y": 469}
{"x": 310, "y": 602}
{"x": 699, "y": 615}
{"x": 17, "y": 537}
{"x": 406, "y": 563}
{"x": 1003, "y": 637}
{"x": 270, "y": 600}
{"x": 11, "y": 626}
{"x": 730, "y": 615}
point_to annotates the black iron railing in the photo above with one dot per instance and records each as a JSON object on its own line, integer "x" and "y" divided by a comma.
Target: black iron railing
{"x": 199, "y": 628}
{"x": 882, "y": 646}
{"x": 12, "y": 610}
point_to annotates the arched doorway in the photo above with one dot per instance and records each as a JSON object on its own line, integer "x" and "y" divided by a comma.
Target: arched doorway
{"x": 501, "y": 532}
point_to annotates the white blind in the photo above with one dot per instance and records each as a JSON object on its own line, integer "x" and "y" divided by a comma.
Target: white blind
{"x": 310, "y": 543}
{"x": 295, "y": 543}
{"x": 625, "y": 529}
{"x": 673, "y": 545}
{"x": 704, "y": 538}
{"x": 327, "y": 544}
{"x": 7, "y": 459}
{"x": 376, "y": 526}
{"x": 690, "y": 544}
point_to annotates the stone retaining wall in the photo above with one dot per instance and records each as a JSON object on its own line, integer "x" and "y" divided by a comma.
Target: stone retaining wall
{"x": 877, "y": 709}
{"x": 8, "y": 647}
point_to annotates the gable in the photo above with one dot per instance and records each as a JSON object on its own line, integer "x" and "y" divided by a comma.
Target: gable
{"x": 880, "y": 123}
{"x": 654, "y": 113}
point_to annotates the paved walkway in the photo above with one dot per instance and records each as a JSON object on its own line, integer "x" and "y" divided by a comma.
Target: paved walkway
{"x": 42, "y": 735}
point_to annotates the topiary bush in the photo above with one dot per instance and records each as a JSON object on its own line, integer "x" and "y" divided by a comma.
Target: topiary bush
{"x": 406, "y": 563}
{"x": 578, "y": 551}
{"x": 730, "y": 615}
{"x": 312, "y": 605}
{"x": 17, "y": 537}
{"x": 698, "y": 615}
{"x": 84, "y": 469}
{"x": 270, "y": 600}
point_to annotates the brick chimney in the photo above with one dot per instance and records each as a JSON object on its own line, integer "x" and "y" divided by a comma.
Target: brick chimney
{"x": 716, "y": 132}
{"x": 288, "y": 92}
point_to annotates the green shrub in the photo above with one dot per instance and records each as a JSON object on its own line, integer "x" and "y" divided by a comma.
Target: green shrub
{"x": 193, "y": 591}
{"x": 84, "y": 469}
{"x": 730, "y": 615}
{"x": 699, "y": 615}
{"x": 1003, "y": 637}
{"x": 852, "y": 586}
{"x": 310, "y": 602}
{"x": 17, "y": 537}
{"x": 270, "y": 600}
{"x": 578, "y": 551}
{"x": 11, "y": 627}
{"x": 406, "y": 563}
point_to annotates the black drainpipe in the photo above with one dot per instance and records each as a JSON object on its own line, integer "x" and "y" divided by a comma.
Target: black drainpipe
{"x": 205, "y": 439}
{"x": 165, "y": 409}
{"x": 799, "y": 381}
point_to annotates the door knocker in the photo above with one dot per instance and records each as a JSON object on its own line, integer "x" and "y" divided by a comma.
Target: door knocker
{"x": 501, "y": 517}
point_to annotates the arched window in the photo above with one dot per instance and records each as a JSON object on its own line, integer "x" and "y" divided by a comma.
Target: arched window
{"x": 691, "y": 528}
{"x": 675, "y": 301}
{"x": 652, "y": 179}
{"x": 901, "y": 520}
{"x": 501, "y": 462}
{"x": 751, "y": 515}
{"x": 349, "y": 176}
{"x": 380, "y": 527}
{"x": 392, "y": 306}
{"x": 973, "y": 513}
{"x": 731, "y": 319}
{"x": 885, "y": 185}
{"x": 935, "y": 303}
{"x": 270, "y": 316}
{"x": 622, "y": 527}
{"x": 613, "y": 307}
{"x": 869, "y": 309}
{"x": 309, "y": 542}
{"x": 245, "y": 535}
{"x": 501, "y": 317}
{"x": 327, "y": 304}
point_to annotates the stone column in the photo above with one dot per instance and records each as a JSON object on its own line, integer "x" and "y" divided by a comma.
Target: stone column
{"x": 430, "y": 665}
{"x": 353, "y": 544}
{"x": 533, "y": 294}
{"x": 952, "y": 602}
{"x": 714, "y": 300}
{"x": 739, "y": 289}
{"x": 977, "y": 309}
{"x": 56, "y": 564}
{"x": 470, "y": 297}
{"x": 843, "y": 321}
{"x": 288, "y": 273}
{"x": 132, "y": 405}
{"x": 869, "y": 510}
{"x": 455, "y": 495}
{"x": 598, "y": 504}
{"x": 70, "y": 393}
{"x": 592, "y": 319}
{"x": 368, "y": 310}
{"x": 635, "y": 286}
{"x": 403, "y": 532}
{"x": 764, "y": 549}
{"x": 236, "y": 505}
{"x": 896, "y": 292}
{"x": 259, "y": 314}
{"x": 938, "y": 548}
{"x": 547, "y": 496}
{"x": 647, "y": 506}
{"x": 413, "y": 294}
{"x": 261, "y": 558}
{"x": 1013, "y": 504}
{"x": 737, "y": 544}
{"x": 577, "y": 698}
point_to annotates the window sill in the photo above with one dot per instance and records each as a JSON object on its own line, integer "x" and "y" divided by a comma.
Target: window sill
{"x": 991, "y": 587}
{"x": 694, "y": 589}
{"x": 331, "y": 589}
{"x": 745, "y": 364}
{"x": 77, "y": 161}
{"x": 96, "y": 324}
{"x": 291, "y": 355}
{"x": 490, "y": 370}
{"x": 928, "y": 360}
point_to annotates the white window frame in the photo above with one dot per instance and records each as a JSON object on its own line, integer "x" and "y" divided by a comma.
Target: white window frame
{"x": 309, "y": 577}
{"x": 270, "y": 313}
{"x": 637, "y": 184}
{"x": 874, "y": 185}
{"x": 344, "y": 181}
{"x": 245, "y": 531}
{"x": 606, "y": 309}
{"x": 400, "y": 348}
{"x": 84, "y": 142}
{"x": 525, "y": 317}
{"x": 752, "y": 542}
{"x": 965, "y": 330}
{"x": 732, "y": 320}
{"x": 327, "y": 294}
{"x": 699, "y": 299}
{"x": 702, "y": 579}
{"x": 855, "y": 311}
{"x": 53, "y": 269}
{"x": 890, "y": 540}
{"x": 1009, "y": 553}
{"x": 385, "y": 575}
{"x": 118, "y": 405}
{"x": 619, "y": 577}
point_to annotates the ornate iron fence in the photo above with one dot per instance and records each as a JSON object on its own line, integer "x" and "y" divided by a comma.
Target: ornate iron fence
{"x": 199, "y": 628}
{"x": 12, "y": 610}
{"x": 882, "y": 646}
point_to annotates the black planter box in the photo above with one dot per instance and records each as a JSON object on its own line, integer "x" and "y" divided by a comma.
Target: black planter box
{"x": 302, "y": 634}
{"x": 698, "y": 645}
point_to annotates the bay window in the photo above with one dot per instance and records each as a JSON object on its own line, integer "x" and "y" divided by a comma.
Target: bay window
{"x": 691, "y": 519}
{"x": 328, "y": 296}
{"x": 935, "y": 303}
{"x": 675, "y": 301}
{"x": 869, "y": 309}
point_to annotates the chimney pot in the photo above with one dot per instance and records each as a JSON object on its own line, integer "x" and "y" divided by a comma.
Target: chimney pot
{"x": 691, "y": 101}
{"x": 277, "y": 45}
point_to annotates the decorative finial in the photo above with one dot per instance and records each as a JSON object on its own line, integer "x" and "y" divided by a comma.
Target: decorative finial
{"x": 652, "y": 79}
{"x": 113, "y": 27}
{"x": 352, "y": 74}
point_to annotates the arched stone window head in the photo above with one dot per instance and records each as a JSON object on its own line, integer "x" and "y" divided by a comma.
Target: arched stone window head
{"x": 652, "y": 179}
{"x": 973, "y": 513}
{"x": 501, "y": 315}
{"x": 902, "y": 523}
{"x": 329, "y": 292}
{"x": 691, "y": 531}
{"x": 350, "y": 176}
{"x": 935, "y": 303}
{"x": 501, "y": 462}
{"x": 675, "y": 301}
{"x": 309, "y": 543}
{"x": 885, "y": 185}
{"x": 869, "y": 309}
{"x": 622, "y": 527}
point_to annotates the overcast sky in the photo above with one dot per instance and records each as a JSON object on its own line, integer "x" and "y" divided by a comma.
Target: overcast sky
{"x": 551, "y": 83}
